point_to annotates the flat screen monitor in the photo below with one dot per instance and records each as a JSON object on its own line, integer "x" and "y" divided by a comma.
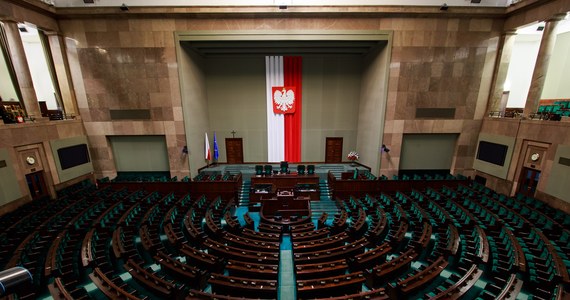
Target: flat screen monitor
{"x": 492, "y": 153}
{"x": 73, "y": 156}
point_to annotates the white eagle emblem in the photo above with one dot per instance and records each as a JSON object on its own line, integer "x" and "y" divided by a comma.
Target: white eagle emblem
{"x": 284, "y": 99}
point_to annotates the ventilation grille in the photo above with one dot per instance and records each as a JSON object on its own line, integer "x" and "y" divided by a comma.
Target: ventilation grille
{"x": 564, "y": 161}
{"x": 130, "y": 114}
{"x": 2, "y": 164}
{"x": 435, "y": 113}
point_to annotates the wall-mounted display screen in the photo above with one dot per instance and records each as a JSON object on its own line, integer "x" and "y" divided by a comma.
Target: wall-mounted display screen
{"x": 492, "y": 153}
{"x": 73, "y": 156}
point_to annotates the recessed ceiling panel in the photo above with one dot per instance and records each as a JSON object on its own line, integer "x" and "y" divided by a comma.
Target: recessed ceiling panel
{"x": 225, "y": 48}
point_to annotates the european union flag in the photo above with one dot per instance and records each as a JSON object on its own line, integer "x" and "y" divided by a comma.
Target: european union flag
{"x": 216, "y": 152}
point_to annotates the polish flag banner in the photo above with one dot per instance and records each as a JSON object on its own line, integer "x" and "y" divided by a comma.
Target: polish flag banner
{"x": 284, "y": 99}
{"x": 284, "y": 88}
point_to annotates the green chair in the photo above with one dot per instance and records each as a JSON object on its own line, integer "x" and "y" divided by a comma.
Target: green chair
{"x": 284, "y": 167}
{"x": 268, "y": 169}
{"x": 311, "y": 169}
{"x": 301, "y": 169}
{"x": 541, "y": 109}
{"x": 258, "y": 170}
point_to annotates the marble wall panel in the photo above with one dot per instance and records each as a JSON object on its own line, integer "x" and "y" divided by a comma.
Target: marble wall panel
{"x": 131, "y": 64}
{"x": 547, "y": 133}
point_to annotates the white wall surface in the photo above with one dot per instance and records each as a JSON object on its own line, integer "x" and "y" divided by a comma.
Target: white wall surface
{"x": 43, "y": 85}
{"x": 7, "y": 91}
{"x": 519, "y": 75}
{"x": 556, "y": 83}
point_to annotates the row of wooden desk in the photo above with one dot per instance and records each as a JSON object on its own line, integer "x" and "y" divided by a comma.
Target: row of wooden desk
{"x": 325, "y": 270}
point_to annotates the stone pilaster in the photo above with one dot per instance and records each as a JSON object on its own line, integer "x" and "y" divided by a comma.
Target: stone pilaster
{"x": 541, "y": 66}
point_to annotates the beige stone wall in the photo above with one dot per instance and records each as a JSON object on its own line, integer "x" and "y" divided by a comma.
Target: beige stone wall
{"x": 130, "y": 64}
{"x": 439, "y": 63}
{"x": 41, "y": 16}
{"x": 550, "y": 134}
{"x": 18, "y": 139}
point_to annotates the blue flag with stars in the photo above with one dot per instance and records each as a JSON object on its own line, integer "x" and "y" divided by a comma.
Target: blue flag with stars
{"x": 216, "y": 152}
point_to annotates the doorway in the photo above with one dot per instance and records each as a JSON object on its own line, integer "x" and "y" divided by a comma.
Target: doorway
{"x": 234, "y": 150}
{"x": 333, "y": 150}
{"x": 528, "y": 181}
{"x": 37, "y": 185}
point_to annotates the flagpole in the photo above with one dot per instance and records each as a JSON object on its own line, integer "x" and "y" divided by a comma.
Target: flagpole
{"x": 207, "y": 154}
{"x": 216, "y": 151}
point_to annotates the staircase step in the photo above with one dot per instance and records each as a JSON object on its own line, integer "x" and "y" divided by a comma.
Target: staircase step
{"x": 243, "y": 193}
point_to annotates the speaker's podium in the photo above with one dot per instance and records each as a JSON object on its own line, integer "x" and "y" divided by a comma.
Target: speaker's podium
{"x": 266, "y": 186}
{"x": 285, "y": 205}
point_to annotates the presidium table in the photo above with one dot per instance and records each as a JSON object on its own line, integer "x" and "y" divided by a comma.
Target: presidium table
{"x": 285, "y": 195}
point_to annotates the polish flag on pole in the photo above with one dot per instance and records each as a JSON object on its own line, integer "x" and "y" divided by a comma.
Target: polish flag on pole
{"x": 208, "y": 155}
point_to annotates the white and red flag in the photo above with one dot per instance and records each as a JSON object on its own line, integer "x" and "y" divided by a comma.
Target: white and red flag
{"x": 284, "y": 86}
{"x": 207, "y": 153}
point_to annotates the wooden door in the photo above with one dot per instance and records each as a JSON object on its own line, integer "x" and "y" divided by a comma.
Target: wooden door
{"x": 234, "y": 150}
{"x": 529, "y": 181}
{"x": 333, "y": 151}
{"x": 37, "y": 185}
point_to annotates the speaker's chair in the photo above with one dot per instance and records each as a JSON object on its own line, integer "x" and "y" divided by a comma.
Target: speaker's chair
{"x": 311, "y": 169}
{"x": 284, "y": 167}
{"x": 268, "y": 169}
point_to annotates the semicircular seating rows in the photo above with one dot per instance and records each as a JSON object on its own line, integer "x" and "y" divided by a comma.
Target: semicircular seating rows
{"x": 112, "y": 242}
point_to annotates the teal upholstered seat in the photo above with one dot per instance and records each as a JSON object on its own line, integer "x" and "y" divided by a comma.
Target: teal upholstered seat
{"x": 268, "y": 169}
{"x": 258, "y": 170}
{"x": 311, "y": 169}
